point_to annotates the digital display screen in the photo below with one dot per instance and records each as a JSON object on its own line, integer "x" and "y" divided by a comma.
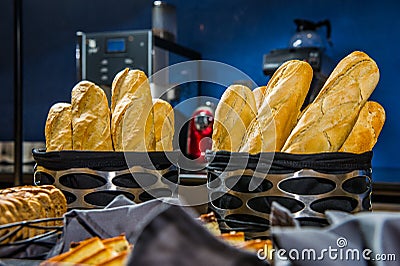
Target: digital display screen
{"x": 116, "y": 45}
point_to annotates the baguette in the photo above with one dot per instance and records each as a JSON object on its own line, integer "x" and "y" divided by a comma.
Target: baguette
{"x": 58, "y": 130}
{"x": 132, "y": 119}
{"x": 126, "y": 82}
{"x": 366, "y": 130}
{"x": 327, "y": 122}
{"x": 253, "y": 140}
{"x": 90, "y": 118}
{"x": 259, "y": 95}
{"x": 233, "y": 115}
{"x": 163, "y": 125}
{"x": 277, "y": 116}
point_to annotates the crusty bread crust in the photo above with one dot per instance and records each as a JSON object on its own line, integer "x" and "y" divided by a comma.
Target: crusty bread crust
{"x": 90, "y": 118}
{"x": 29, "y": 203}
{"x": 327, "y": 122}
{"x": 259, "y": 95}
{"x": 163, "y": 125}
{"x": 233, "y": 115}
{"x": 277, "y": 115}
{"x": 58, "y": 130}
{"x": 366, "y": 130}
{"x": 132, "y": 119}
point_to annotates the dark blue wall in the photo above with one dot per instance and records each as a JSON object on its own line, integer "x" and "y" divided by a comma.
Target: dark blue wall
{"x": 235, "y": 32}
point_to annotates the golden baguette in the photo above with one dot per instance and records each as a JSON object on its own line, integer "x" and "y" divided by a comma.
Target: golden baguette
{"x": 259, "y": 95}
{"x": 132, "y": 119}
{"x": 253, "y": 140}
{"x": 163, "y": 125}
{"x": 58, "y": 130}
{"x": 90, "y": 118}
{"x": 234, "y": 113}
{"x": 132, "y": 124}
{"x": 366, "y": 130}
{"x": 126, "y": 82}
{"x": 327, "y": 122}
{"x": 277, "y": 115}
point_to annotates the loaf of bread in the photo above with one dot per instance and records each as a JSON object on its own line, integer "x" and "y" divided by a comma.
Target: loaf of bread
{"x": 17, "y": 211}
{"x": 366, "y": 130}
{"x": 327, "y": 121}
{"x": 233, "y": 115}
{"x": 259, "y": 95}
{"x": 58, "y": 130}
{"x": 253, "y": 139}
{"x": 127, "y": 82}
{"x": 29, "y": 203}
{"x": 254, "y": 131}
{"x": 163, "y": 125}
{"x": 277, "y": 115}
{"x": 132, "y": 120}
{"x": 94, "y": 251}
{"x": 90, "y": 118}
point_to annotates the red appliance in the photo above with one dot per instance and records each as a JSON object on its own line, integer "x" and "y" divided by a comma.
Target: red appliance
{"x": 200, "y": 132}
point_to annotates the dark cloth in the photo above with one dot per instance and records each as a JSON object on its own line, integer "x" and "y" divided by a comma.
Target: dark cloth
{"x": 174, "y": 238}
{"x": 163, "y": 233}
{"x": 280, "y": 162}
{"x": 349, "y": 234}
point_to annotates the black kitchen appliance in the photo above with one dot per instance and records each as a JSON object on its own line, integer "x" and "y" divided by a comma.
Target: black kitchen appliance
{"x": 101, "y": 55}
{"x": 307, "y": 45}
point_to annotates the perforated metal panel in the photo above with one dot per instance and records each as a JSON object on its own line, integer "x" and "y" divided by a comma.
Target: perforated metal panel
{"x": 306, "y": 193}
{"x": 87, "y": 188}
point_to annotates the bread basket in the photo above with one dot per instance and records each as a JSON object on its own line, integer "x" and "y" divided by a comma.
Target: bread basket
{"x": 307, "y": 185}
{"x": 91, "y": 179}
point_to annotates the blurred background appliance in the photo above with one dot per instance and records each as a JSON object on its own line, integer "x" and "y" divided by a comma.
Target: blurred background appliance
{"x": 308, "y": 45}
{"x": 200, "y": 132}
{"x": 163, "y": 20}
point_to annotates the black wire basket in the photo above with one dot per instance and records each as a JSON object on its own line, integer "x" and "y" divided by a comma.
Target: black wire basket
{"x": 242, "y": 187}
{"x": 93, "y": 179}
{"x": 35, "y": 247}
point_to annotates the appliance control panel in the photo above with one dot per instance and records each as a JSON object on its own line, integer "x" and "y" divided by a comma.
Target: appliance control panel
{"x": 104, "y": 54}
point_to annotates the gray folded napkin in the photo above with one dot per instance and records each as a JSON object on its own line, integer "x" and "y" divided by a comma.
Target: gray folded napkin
{"x": 121, "y": 216}
{"x": 361, "y": 239}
